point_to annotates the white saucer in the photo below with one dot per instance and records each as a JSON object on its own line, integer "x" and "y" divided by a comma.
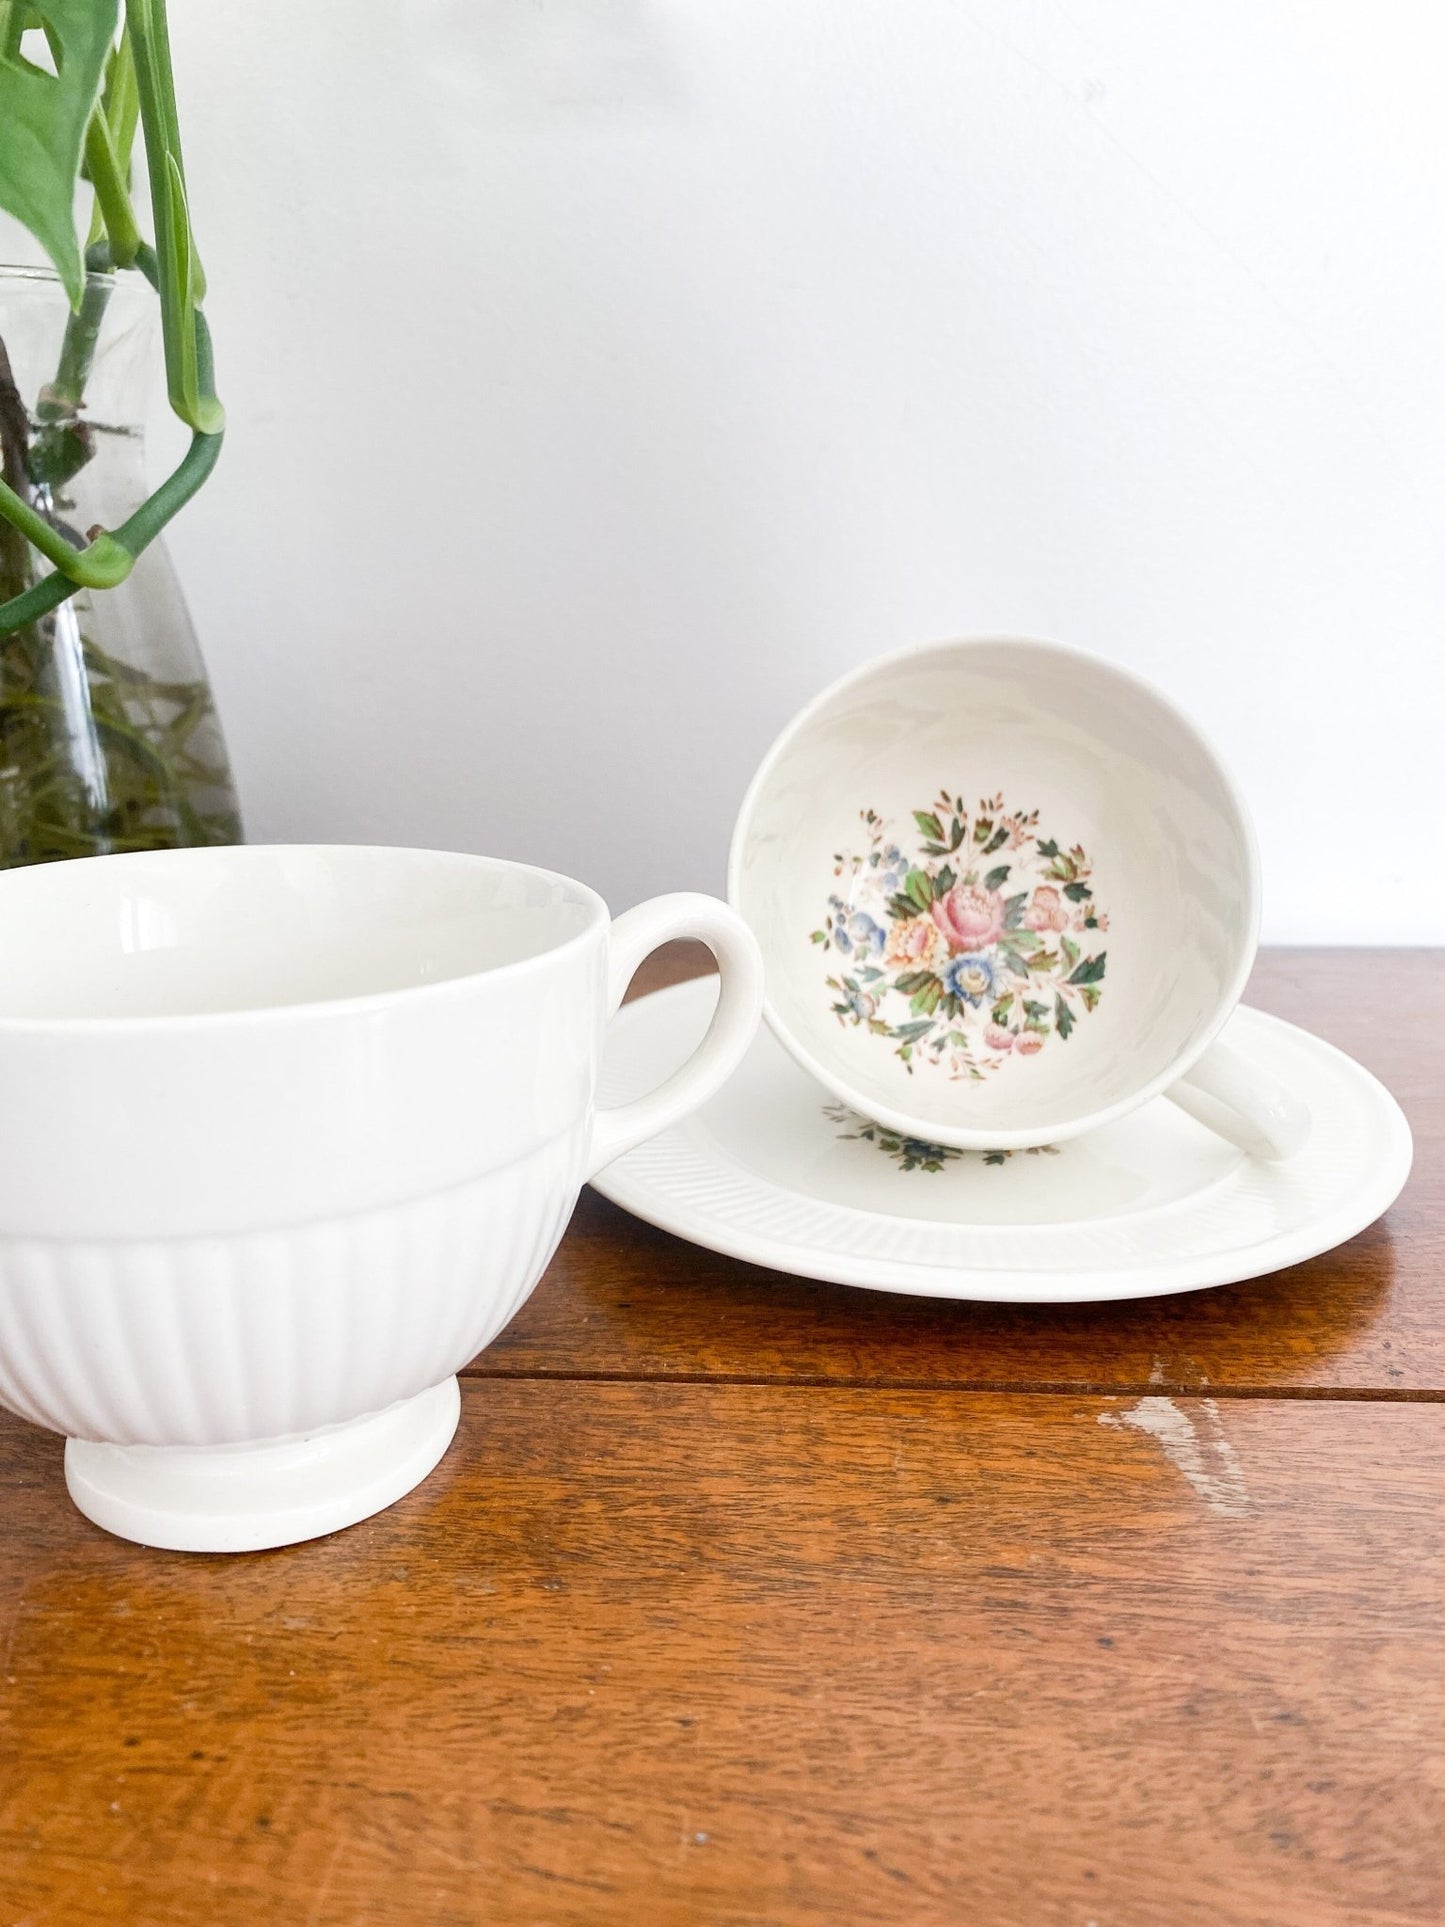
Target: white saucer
{"x": 773, "y": 1171}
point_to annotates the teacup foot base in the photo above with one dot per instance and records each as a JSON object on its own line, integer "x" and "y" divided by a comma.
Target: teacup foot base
{"x": 243, "y": 1498}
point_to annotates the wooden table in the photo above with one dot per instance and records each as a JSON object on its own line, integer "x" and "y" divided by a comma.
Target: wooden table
{"x": 747, "y": 1600}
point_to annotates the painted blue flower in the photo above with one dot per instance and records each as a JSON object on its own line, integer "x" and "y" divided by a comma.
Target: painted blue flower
{"x": 861, "y": 1004}
{"x": 857, "y": 931}
{"x": 970, "y": 979}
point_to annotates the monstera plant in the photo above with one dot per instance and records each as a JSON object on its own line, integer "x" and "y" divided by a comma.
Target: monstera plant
{"x": 108, "y": 735}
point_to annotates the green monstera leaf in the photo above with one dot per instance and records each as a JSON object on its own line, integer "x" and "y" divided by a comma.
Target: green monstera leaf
{"x": 43, "y": 118}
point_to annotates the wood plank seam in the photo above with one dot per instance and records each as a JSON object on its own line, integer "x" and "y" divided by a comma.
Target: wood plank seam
{"x": 1049, "y": 1388}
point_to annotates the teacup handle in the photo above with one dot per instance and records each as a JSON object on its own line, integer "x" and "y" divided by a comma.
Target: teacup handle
{"x": 1226, "y": 1093}
{"x": 635, "y": 935}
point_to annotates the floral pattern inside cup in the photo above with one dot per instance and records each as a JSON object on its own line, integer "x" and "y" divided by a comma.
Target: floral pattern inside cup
{"x": 967, "y": 943}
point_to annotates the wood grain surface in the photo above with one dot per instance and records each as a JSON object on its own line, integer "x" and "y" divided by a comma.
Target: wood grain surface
{"x": 760, "y": 1654}
{"x": 742, "y": 1602}
{"x": 622, "y": 1299}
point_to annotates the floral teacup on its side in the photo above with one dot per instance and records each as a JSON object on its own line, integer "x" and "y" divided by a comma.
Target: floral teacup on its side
{"x": 1005, "y": 892}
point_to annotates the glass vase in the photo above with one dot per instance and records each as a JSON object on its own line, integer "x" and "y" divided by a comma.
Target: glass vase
{"x": 109, "y": 738}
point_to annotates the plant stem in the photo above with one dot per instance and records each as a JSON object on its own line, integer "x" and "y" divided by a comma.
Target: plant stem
{"x": 63, "y": 396}
{"x": 119, "y": 107}
{"x": 112, "y": 196}
{"x": 15, "y": 569}
{"x": 122, "y": 101}
{"x": 180, "y": 283}
{"x": 114, "y": 242}
{"x": 103, "y": 563}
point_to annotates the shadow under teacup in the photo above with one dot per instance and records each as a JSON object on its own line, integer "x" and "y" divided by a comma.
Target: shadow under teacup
{"x": 1005, "y": 892}
{"x": 289, "y": 1135}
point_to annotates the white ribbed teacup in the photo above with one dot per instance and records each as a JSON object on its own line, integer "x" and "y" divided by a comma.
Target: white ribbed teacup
{"x": 289, "y": 1135}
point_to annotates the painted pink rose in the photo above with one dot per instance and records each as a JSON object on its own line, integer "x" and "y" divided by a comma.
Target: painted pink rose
{"x": 915, "y": 943}
{"x": 1028, "y": 1043}
{"x": 1047, "y": 911}
{"x": 970, "y": 918}
{"x": 997, "y": 1038}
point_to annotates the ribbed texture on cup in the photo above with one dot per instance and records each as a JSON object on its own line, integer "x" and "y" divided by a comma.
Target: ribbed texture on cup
{"x": 209, "y": 1341}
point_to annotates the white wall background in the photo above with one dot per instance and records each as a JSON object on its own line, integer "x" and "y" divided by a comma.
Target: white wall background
{"x": 605, "y": 376}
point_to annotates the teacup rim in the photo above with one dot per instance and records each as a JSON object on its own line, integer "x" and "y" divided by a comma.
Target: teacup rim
{"x": 320, "y": 1007}
{"x": 1020, "y": 1137}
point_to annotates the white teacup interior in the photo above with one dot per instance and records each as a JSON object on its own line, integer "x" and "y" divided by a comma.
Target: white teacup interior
{"x": 998, "y": 887}
{"x": 196, "y": 932}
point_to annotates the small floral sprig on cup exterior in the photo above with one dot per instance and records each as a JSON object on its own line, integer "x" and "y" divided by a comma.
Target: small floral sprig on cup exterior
{"x": 915, "y": 1153}
{"x": 976, "y": 948}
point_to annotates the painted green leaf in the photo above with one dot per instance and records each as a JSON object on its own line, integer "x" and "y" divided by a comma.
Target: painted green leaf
{"x": 928, "y": 823}
{"x": 1070, "y": 950}
{"x": 910, "y": 1032}
{"x": 1013, "y": 910}
{"x": 913, "y": 980}
{"x": 901, "y": 906}
{"x": 1048, "y": 847}
{"x": 926, "y": 1001}
{"x": 919, "y": 885}
{"x": 1090, "y": 995}
{"x": 1063, "y": 1016}
{"x": 996, "y": 879}
{"x": 1091, "y": 971}
{"x": 43, "y": 118}
{"x": 944, "y": 881}
{"x": 996, "y": 841}
{"x": 1077, "y": 892}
